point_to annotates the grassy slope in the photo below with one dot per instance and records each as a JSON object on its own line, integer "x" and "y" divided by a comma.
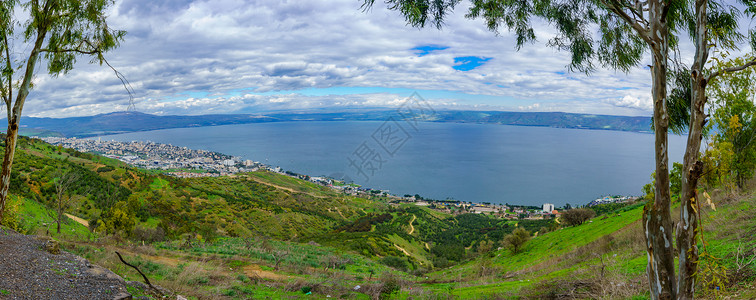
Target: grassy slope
{"x": 556, "y": 254}
{"x": 266, "y": 203}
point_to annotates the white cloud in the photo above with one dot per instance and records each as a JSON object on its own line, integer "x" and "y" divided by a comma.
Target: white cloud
{"x": 272, "y": 49}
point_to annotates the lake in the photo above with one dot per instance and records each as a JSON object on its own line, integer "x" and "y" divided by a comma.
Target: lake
{"x": 467, "y": 162}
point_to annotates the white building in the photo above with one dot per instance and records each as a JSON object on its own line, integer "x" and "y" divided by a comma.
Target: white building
{"x": 548, "y": 207}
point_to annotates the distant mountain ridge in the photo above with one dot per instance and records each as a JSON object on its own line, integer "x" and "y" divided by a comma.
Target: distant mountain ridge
{"x": 123, "y": 122}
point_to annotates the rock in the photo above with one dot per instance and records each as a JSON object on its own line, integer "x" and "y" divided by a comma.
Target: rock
{"x": 138, "y": 285}
{"x": 179, "y": 297}
{"x": 96, "y": 271}
{"x": 52, "y": 246}
{"x": 122, "y": 296}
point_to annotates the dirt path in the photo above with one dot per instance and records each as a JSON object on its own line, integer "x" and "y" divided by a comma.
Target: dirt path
{"x": 402, "y": 249}
{"x": 253, "y": 271}
{"x": 412, "y": 228}
{"x": 78, "y": 220}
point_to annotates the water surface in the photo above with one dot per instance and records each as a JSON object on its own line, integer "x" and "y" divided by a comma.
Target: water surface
{"x": 468, "y": 162}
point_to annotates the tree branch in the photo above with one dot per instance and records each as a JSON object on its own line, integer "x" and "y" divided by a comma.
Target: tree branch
{"x": 9, "y": 92}
{"x": 147, "y": 281}
{"x": 616, "y": 8}
{"x": 124, "y": 81}
{"x": 731, "y": 69}
{"x": 91, "y": 52}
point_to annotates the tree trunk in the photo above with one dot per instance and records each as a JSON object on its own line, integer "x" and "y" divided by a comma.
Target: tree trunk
{"x": 692, "y": 167}
{"x": 14, "y": 118}
{"x": 657, "y": 220}
{"x": 10, "y": 150}
{"x": 60, "y": 212}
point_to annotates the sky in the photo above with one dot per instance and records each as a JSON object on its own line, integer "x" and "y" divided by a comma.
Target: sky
{"x": 225, "y": 56}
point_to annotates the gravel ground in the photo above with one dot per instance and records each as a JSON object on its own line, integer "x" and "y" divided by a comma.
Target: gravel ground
{"x": 29, "y": 271}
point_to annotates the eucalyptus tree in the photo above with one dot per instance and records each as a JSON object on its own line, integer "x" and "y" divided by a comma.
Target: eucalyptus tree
{"x": 38, "y": 31}
{"x": 616, "y": 34}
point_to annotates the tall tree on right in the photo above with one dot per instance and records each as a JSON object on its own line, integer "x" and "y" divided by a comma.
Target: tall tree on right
{"x": 626, "y": 30}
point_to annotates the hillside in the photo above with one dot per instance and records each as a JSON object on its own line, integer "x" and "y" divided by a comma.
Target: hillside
{"x": 122, "y": 122}
{"x": 264, "y": 234}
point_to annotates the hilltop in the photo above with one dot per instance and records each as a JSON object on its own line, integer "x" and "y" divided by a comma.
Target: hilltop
{"x": 264, "y": 234}
{"x": 132, "y": 121}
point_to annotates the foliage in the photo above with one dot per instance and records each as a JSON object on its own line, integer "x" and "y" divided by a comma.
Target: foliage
{"x": 395, "y": 262}
{"x": 731, "y": 157}
{"x": 577, "y": 216}
{"x": 11, "y": 218}
{"x": 365, "y": 223}
{"x": 516, "y": 240}
{"x": 56, "y": 32}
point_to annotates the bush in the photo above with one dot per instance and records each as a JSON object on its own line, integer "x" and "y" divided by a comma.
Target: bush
{"x": 516, "y": 240}
{"x": 148, "y": 234}
{"x": 390, "y": 285}
{"x": 10, "y": 215}
{"x": 104, "y": 169}
{"x": 395, "y": 262}
{"x": 574, "y": 217}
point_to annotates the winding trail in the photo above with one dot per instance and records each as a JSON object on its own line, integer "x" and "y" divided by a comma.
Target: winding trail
{"x": 78, "y": 220}
{"x": 412, "y": 228}
{"x": 402, "y": 249}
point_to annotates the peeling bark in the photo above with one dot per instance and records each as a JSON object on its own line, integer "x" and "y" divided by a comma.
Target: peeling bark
{"x": 657, "y": 220}
{"x": 692, "y": 167}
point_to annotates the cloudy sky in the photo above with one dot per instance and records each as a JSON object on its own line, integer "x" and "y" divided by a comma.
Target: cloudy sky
{"x": 227, "y": 56}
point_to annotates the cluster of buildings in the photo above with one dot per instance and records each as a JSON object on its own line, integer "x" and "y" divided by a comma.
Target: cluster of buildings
{"x": 151, "y": 155}
{"x": 612, "y": 199}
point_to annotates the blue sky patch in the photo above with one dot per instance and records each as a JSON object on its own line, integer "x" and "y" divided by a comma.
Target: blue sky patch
{"x": 427, "y": 49}
{"x": 467, "y": 63}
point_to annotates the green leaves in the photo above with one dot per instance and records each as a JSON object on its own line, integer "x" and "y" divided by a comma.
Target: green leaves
{"x": 73, "y": 28}
{"x": 61, "y": 30}
{"x": 419, "y": 13}
{"x": 513, "y": 14}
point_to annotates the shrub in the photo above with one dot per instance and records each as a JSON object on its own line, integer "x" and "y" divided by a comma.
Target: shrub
{"x": 104, "y": 169}
{"x": 395, "y": 262}
{"x": 390, "y": 285}
{"x": 148, "y": 234}
{"x": 10, "y": 216}
{"x": 577, "y": 216}
{"x": 516, "y": 240}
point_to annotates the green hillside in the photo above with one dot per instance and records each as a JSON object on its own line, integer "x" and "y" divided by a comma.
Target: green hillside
{"x": 263, "y": 234}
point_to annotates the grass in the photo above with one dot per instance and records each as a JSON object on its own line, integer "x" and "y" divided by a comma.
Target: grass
{"x": 564, "y": 253}
{"x": 159, "y": 184}
{"x": 35, "y": 218}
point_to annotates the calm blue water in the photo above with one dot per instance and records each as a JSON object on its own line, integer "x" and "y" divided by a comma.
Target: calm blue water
{"x": 469, "y": 162}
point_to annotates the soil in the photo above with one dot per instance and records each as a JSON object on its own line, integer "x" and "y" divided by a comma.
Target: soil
{"x": 30, "y": 271}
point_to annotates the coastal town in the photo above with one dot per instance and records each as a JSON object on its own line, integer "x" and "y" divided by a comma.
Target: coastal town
{"x": 184, "y": 162}
{"x": 179, "y": 161}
